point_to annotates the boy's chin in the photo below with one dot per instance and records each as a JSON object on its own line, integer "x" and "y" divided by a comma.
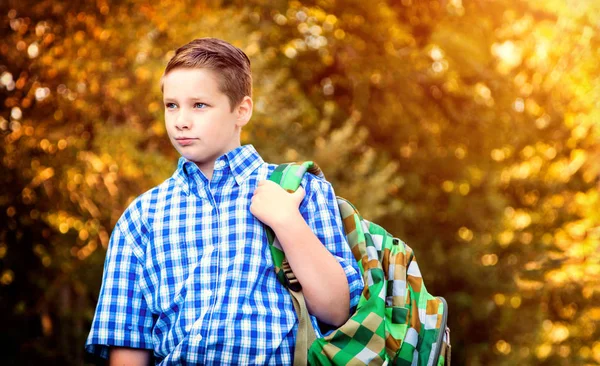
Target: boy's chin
{"x": 187, "y": 154}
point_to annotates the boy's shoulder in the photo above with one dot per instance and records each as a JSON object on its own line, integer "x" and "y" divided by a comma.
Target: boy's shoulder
{"x": 158, "y": 197}
{"x": 315, "y": 184}
{"x": 146, "y": 203}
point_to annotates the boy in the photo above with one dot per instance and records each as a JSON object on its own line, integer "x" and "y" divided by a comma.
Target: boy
{"x": 188, "y": 277}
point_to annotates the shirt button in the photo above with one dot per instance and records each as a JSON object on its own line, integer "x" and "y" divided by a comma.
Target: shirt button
{"x": 197, "y": 338}
{"x": 220, "y": 164}
{"x": 210, "y": 248}
{"x": 208, "y": 293}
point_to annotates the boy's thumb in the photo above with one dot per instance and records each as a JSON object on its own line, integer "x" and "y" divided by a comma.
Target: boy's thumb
{"x": 299, "y": 194}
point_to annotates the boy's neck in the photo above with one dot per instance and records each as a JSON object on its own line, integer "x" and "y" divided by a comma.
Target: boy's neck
{"x": 207, "y": 170}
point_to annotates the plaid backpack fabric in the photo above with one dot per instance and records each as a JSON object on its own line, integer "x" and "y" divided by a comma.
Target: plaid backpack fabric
{"x": 396, "y": 322}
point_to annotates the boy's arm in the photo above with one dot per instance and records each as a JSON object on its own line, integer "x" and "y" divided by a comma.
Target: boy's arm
{"x": 324, "y": 281}
{"x": 122, "y": 317}
{"x": 122, "y": 356}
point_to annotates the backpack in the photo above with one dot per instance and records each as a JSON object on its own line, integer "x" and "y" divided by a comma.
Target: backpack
{"x": 396, "y": 322}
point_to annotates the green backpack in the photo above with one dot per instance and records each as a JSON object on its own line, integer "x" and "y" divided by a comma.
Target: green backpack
{"x": 396, "y": 322}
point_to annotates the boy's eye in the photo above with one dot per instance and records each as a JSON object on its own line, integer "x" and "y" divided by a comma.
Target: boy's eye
{"x": 170, "y": 105}
{"x": 200, "y": 105}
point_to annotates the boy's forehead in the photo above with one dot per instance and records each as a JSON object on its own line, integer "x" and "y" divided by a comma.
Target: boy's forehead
{"x": 186, "y": 80}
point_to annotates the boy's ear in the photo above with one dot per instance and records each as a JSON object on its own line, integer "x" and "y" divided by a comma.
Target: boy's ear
{"x": 244, "y": 111}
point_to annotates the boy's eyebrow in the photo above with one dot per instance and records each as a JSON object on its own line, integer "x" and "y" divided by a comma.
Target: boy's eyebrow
{"x": 194, "y": 98}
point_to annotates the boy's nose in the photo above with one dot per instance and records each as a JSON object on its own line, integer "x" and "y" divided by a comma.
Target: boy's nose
{"x": 183, "y": 121}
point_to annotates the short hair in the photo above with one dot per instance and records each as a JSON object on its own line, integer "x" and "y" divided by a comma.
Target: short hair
{"x": 230, "y": 64}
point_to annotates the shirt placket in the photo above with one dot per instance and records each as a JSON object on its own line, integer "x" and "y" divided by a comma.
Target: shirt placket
{"x": 199, "y": 338}
{"x": 217, "y": 183}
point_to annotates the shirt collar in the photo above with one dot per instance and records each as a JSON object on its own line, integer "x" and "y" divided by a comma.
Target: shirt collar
{"x": 242, "y": 161}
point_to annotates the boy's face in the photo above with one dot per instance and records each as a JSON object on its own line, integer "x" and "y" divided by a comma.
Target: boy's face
{"x": 198, "y": 116}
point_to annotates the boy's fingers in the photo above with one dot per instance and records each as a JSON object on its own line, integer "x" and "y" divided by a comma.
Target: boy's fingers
{"x": 299, "y": 194}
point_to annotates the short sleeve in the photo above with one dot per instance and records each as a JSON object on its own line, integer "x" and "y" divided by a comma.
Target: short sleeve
{"x": 122, "y": 317}
{"x": 320, "y": 210}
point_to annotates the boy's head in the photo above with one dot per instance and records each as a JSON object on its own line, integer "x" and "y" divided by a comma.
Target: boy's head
{"x": 228, "y": 63}
{"x": 207, "y": 89}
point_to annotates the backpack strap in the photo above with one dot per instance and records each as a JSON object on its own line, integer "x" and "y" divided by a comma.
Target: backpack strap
{"x": 289, "y": 177}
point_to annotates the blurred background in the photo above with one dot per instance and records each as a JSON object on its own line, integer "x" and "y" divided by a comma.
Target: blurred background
{"x": 467, "y": 128}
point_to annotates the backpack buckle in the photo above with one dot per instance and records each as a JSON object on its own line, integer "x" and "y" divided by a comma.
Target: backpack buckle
{"x": 291, "y": 281}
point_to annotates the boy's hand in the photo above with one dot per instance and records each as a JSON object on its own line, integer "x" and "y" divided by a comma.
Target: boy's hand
{"x": 274, "y": 206}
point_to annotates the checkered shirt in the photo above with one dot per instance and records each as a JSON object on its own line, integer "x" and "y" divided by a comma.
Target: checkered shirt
{"x": 189, "y": 275}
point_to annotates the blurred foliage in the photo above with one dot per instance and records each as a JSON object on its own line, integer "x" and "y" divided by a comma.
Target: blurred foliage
{"x": 472, "y": 124}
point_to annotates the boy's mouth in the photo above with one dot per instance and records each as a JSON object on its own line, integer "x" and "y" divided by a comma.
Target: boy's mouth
{"x": 184, "y": 141}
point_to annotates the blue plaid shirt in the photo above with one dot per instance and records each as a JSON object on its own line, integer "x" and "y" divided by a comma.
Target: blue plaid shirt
{"x": 189, "y": 275}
